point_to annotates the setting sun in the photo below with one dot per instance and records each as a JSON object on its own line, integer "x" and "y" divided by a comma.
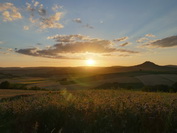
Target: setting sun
{"x": 90, "y": 62}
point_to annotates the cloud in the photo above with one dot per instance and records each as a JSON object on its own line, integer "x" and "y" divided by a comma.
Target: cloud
{"x": 36, "y": 3}
{"x": 48, "y": 47}
{"x": 150, "y": 35}
{"x": 89, "y": 26}
{"x": 142, "y": 40}
{"x": 69, "y": 38}
{"x": 56, "y": 7}
{"x": 146, "y": 38}
{"x": 77, "y": 20}
{"x": 10, "y": 50}
{"x": 165, "y": 42}
{"x": 30, "y": 9}
{"x": 1, "y": 42}
{"x": 125, "y": 44}
{"x": 38, "y": 44}
{"x": 107, "y": 55}
{"x": 26, "y": 27}
{"x": 5, "y": 53}
{"x": 121, "y": 39}
{"x": 101, "y": 22}
{"x": 81, "y": 44}
{"x": 36, "y": 7}
{"x": 42, "y": 53}
{"x": 124, "y": 55}
{"x": 39, "y": 17}
{"x": 41, "y": 10}
{"x": 74, "y": 45}
{"x": 9, "y": 12}
{"x": 51, "y": 22}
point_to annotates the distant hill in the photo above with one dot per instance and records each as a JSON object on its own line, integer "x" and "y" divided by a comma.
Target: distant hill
{"x": 148, "y": 64}
{"x": 84, "y": 71}
{"x": 173, "y": 66}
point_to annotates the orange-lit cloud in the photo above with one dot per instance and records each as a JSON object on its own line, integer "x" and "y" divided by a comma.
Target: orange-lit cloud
{"x": 75, "y": 44}
{"x": 150, "y": 35}
{"x": 9, "y": 12}
{"x": 142, "y": 40}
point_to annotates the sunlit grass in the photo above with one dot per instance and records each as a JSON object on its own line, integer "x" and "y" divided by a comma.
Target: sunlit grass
{"x": 91, "y": 111}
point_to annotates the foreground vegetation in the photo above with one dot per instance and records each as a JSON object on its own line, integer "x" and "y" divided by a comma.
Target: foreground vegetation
{"x": 90, "y": 111}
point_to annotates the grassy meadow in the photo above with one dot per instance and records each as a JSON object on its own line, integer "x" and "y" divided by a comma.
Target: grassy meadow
{"x": 90, "y": 111}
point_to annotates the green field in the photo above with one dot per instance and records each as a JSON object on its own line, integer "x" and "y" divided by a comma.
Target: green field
{"x": 9, "y": 93}
{"x": 90, "y": 111}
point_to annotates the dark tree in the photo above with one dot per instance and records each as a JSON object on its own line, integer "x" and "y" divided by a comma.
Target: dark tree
{"x": 5, "y": 85}
{"x": 174, "y": 87}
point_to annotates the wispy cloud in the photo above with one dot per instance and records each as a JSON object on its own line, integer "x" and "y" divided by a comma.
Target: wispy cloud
{"x": 101, "y": 22}
{"x": 69, "y": 38}
{"x": 89, "y": 26}
{"x": 9, "y": 12}
{"x": 142, "y": 40}
{"x": 121, "y": 39}
{"x": 75, "y": 44}
{"x": 36, "y": 7}
{"x": 146, "y": 38}
{"x": 39, "y": 44}
{"x": 150, "y": 35}
{"x": 6, "y": 51}
{"x": 124, "y": 55}
{"x": 164, "y": 43}
{"x": 125, "y": 44}
{"x": 26, "y": 27}
{"x": 77, "y": 20}
{"x": 56, "y": 7}
{"x": 10, "y": 50}
{"x": 1, "y": 42}
{"x": 36, "y": 3}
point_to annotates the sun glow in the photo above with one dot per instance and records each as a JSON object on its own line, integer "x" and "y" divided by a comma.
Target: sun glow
{"x": 90, "y": 62}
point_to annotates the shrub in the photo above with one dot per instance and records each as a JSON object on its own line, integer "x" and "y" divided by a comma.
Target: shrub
{"x": 174, "y": 87}
{"x": 18, "y": 86}
{"x": 35, "y": 88}
{"x": 5, "y": 85}
{"x": 156, "y": 88}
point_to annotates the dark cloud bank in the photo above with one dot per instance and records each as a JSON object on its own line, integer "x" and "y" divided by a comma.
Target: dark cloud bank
{"x": 165, "y": 42}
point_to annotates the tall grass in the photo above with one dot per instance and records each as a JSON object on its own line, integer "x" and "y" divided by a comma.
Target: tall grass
{"x": 90, "y": 111}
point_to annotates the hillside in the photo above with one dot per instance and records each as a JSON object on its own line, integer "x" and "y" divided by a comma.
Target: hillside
{"x": 83, "y": 71}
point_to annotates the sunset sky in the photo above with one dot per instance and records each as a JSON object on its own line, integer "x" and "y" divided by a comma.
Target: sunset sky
{"x": 72, "y": 32}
